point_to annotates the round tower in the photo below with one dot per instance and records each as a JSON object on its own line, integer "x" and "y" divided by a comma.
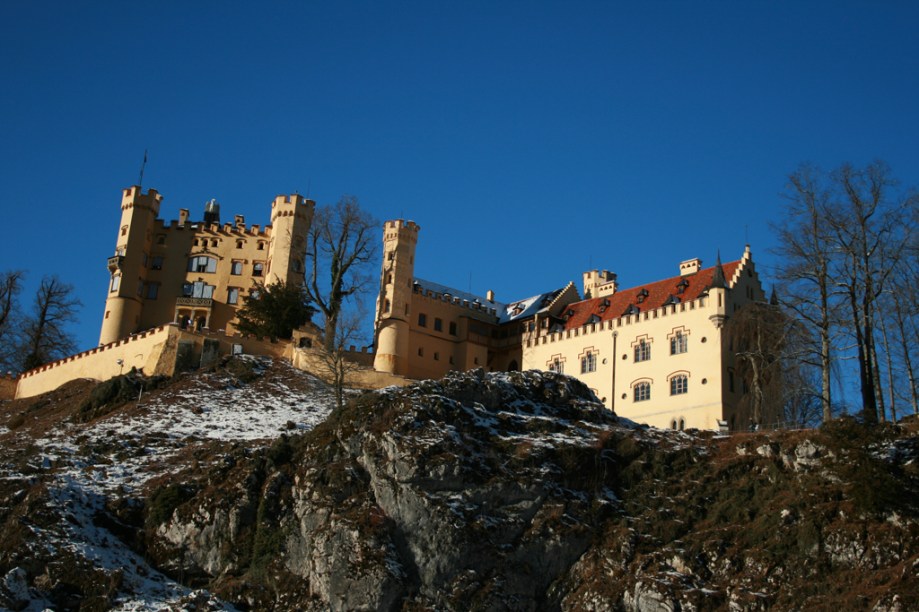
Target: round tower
{"x": 128, "y": 266}
{"x": 291, "y": 217}
{"x": 397, "y": 277}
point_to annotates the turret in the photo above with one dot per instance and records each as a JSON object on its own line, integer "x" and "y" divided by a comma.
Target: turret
{"x": 400, "y": 238}
{"x": 717, "y": 293}
{"x": 291, "y": 217}
{"x": 599, "y": 283}
{"x": 128, "y": 266}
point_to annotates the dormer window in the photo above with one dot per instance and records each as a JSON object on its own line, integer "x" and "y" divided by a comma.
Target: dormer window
{"x": 642, "y": 295}
{"x": 593, "y": 319}
{"x": 632, "y": 309}
{"x": 681, "y": 286}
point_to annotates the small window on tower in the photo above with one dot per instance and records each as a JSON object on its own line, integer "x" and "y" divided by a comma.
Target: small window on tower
{"x": 124, "y": 230}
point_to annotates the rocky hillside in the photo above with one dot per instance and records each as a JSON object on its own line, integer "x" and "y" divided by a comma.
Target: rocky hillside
{"x": 239, "y": 489}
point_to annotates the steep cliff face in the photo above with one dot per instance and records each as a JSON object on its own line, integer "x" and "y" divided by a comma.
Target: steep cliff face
{"x": 512, "y": 491}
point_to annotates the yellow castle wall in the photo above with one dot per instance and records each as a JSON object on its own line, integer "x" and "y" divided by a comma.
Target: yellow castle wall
{"x": 155, "y": 263}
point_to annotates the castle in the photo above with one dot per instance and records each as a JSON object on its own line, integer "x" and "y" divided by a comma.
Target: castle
{"x": 662, "y": 353}
{"x": 196, "y": 273}
{"x": 659, "y": 353}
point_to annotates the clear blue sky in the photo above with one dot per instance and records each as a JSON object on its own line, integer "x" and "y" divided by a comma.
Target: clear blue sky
{"x": 530, "y": 140}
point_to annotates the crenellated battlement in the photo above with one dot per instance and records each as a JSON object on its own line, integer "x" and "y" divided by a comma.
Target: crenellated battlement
{"x": 400, "y": 229}
{"x": 534, "y": 338}
{"x": 456, "y": 301}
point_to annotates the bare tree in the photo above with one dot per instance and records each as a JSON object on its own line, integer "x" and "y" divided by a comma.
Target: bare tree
{"x": 338, "y": 367}
{"x": 844, "y": 236}
{"x": 10, "y": 286}
{"x": 342, "y": 244}
{"x": 758, "y": 332}
{"x": 867, "y": 229}
{"x": 805, "y": 269}
{"x": 44, "y": 335}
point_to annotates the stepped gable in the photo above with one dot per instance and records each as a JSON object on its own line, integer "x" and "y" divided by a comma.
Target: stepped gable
{"x": 659, "y": 294}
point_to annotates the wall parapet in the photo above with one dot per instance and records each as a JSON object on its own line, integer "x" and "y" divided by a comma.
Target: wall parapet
{"x": 455, "y": 300}
{"x": 609, "y": 324}
{"x": 93, "y": 351}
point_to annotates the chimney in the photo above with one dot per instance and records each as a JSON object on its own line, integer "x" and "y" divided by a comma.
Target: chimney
{"x": 183, "y": 216}
{"x": 690, "y": 266}
{"x": 490, "y": 295}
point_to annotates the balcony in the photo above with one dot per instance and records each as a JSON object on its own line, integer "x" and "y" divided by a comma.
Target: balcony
{"x": 195, "y": 302}
{"x": 115, "y": 263}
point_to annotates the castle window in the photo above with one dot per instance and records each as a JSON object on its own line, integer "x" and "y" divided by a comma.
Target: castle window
{"x": 422, "y": 320}
{"x": 261, "y": 246}
{"x": 239, "y": 244}
{"x": 420, "y": 351}
{"x": 678, "y": 343}
{"x": 161, "y": 239}
{"x": 157, "y": 263}
{"x": 198, "y": 289}
{"x": 452, "y": 328}
{"x": 557, "y": 365}
{"x": 679, "y": 384}
{"x": 436, "y": 356}
{"x": 589, "y": 363}
{"x": 642, "y": 391}
{"x": 120, "y": 251}
{"x": 642, "y": 351}
{"x": 153, "y": 290}
{"x": 438, "y": 324}
{"x": 124, "y": 230}
{"x": 385, "y": 305}
{"x": 236, "y": 268}
{"x": 258, "y": 268}
{"x": 202, "y": 263}
{"x": 232, "y": 295}
{"x": 116, "y": 283}
{"x": 213, "y": 243}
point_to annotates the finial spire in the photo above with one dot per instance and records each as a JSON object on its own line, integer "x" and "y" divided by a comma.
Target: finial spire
{"x": 718, "y": 281}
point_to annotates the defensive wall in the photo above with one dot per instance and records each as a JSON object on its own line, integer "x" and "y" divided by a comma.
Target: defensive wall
{"x": 360, "y": 372}
{"x": 166, "y": 349}
{"x": 158, "y": 351}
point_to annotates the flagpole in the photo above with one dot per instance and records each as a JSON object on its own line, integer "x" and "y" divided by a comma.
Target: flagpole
{"x": 140, "y": 181}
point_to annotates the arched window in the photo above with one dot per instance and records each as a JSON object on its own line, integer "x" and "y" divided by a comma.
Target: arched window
{"x": 513, "y": 367}
{"x": 202, "y": 263}
{"x": 679, "y": 384}
{"x": 642, "y": 391}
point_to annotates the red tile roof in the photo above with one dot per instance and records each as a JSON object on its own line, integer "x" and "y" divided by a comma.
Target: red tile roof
{"x": 658, "y": 293}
